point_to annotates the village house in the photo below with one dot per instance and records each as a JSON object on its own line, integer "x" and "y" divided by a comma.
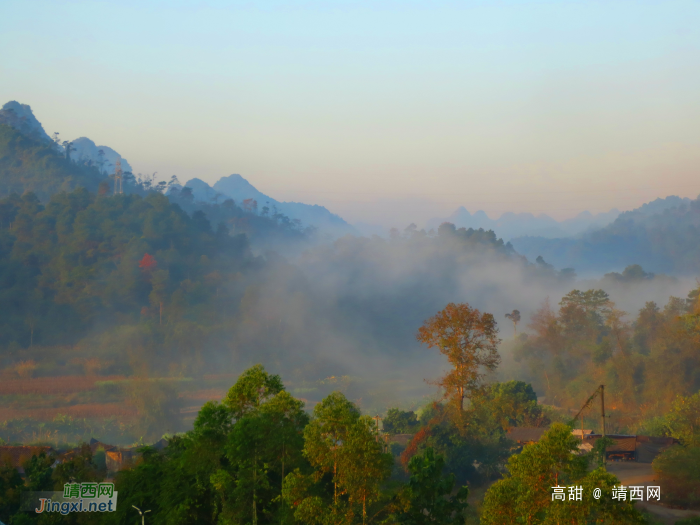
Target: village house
{"x": 642, "y": 449}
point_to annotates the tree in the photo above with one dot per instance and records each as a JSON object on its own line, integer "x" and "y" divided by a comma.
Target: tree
{"x": 400, "y": 422}
{"x": 38, "y": 471}
{"x": 469, "y": 339}
{"x": 326, "y": 435}
{"x": 79, "y": 467}
{"x": 68, "y": 145}
{"x": 578, "y": 309}
{"x": 513, "y": 403}
{"x": 678, "y": 472}
{"x": 160, "y": 280}
{"x": 428, "y": 497}
{"x": 253, "y": 388}
{"x": 365, "y": 464}
{"x": 524, "y": 495}
{"x": 101, "y": 160}
{"x": 148, "y": 262}
{"x": 263, "y": 445}
{"x": 683, "y": 420}
{"x": 514, "y": 317}
{"x": 11, "y": 485}
{"x": 346, "y": 456}
{"x": 103, "y": 188}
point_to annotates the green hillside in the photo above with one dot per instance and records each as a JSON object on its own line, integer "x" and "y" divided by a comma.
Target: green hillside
{"x": 30, "y": 165}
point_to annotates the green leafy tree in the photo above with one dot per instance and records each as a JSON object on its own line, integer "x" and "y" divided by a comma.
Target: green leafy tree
{"x": 11, "y": 484}
{"x": 400, "y": 422}
{"x": 253, "y": 388}
{"x": 429, "y": 498}
{"x": 262, "y": 447}
{"x": 347, "y": 461}
{"x": 365, "y": 464}
{"x": 683, "y": 420}
{"x": 38, "y": 472}
{"x": 524, "y": 495}
{"x": 512, "y": 403}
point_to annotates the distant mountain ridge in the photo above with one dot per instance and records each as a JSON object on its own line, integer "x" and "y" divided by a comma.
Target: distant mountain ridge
{"x": 662, "y": 236}
{"x": 239, "y": 189}
{"x": 511, "y": 225}
{"x": 86, "y": 153}
{"x": 87, "y": 150}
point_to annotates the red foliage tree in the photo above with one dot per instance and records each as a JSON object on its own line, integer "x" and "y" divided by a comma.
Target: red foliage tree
{"x": 412, "y": 449}
{"x": 148, "y": 262}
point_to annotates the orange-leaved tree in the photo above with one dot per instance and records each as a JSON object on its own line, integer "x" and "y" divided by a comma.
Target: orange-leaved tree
{"x": 469, "y": 339}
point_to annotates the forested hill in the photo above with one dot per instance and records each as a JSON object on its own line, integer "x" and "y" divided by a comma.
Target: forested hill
{"x": 32, "y": 165}
{"x": 666, "y": 241}
{"x": 86, "y": 262}
{"x": 127, "y": 277}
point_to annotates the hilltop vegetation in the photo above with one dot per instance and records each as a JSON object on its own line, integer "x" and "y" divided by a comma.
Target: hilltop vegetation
{"x": 37, "y": 166}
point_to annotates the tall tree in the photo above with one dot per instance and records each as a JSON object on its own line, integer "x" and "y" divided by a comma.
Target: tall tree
{"x": 254, "y": 387}
{"x": 514, "y": 317}
{"x": 469, "y": 339}
{"x": 365, "y": 464}
{"x": 348, "y": 464}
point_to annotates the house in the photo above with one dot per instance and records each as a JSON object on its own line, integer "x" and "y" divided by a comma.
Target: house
{"x": 525, "y": 435}
{"x": 623, "y": 449}
{"x": 119, "y": 459}
{"x": 649, "y": 447}
{"x": 96, "y": 445}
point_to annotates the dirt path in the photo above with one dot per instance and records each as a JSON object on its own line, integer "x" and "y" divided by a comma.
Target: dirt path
{"x": 632, "y": 473}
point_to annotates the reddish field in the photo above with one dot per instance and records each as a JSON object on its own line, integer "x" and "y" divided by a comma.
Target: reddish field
{"x": 52, "y": 385}
{"x": 90, "y": 411}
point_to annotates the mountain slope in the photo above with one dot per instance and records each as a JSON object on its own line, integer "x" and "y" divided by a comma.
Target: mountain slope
{"x": 239, "y": 189}
{"x": 663, "y": 236}
{"x": 20, "y": 117}
{"x": 27, "y": 164}
{"x": 86, "y": 151}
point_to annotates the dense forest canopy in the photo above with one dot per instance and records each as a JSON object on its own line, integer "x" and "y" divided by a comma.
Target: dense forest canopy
{"x": 27, "y": 164}
{"x": 644, "y": 361}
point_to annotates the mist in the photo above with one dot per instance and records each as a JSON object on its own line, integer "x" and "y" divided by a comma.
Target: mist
{"x": 353, "y": 307}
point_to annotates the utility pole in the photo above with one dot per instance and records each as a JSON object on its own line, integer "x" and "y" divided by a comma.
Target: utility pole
{"x": 143, "y": 514}
{"x": 602, "y": 416}
{"x": 602, "y": 406}
{"x": 377, "y": 419}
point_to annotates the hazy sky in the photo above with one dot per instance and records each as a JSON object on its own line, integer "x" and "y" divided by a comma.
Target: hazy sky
{"x": 380, "y": 108}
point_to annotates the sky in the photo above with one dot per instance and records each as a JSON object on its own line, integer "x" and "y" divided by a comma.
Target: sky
{"x": 386, "y": 112}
